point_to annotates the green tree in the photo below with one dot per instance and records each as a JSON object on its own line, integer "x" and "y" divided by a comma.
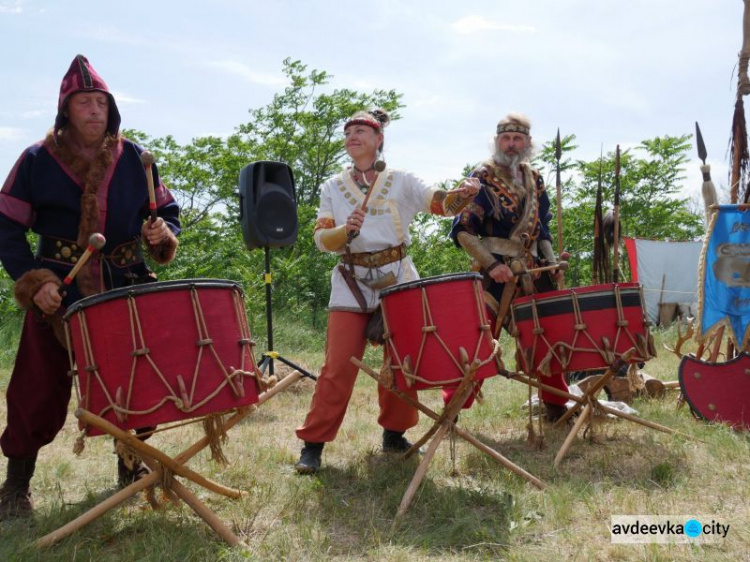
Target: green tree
{"x": 650, "y": 205}
{"x": 302, "y": 126}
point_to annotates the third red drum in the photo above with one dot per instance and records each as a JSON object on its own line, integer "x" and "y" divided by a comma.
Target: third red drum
{"x": 581, "y": 329}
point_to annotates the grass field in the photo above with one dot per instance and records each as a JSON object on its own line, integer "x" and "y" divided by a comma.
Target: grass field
{"x": 468, "y": 508}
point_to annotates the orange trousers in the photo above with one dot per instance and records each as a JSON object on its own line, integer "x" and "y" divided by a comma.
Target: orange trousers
{"x": 345, "y": 338}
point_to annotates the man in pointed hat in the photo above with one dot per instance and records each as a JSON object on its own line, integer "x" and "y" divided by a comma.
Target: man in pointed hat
{"x": 81, "y": 179}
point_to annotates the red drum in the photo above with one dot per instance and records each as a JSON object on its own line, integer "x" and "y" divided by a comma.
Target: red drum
{"x": 434, "y": 325}
{"x": 581, "y": 329}
{"x": 162, "y": 352}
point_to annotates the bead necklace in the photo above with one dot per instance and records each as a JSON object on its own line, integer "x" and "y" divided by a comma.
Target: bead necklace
{"x": 364, "y": 187}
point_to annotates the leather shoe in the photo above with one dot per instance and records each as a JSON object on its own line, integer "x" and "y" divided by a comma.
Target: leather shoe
{"x": 395, "y": 442}
{"x": 309, "y": 461}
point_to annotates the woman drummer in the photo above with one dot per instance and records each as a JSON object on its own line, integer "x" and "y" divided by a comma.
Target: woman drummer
{"x": 364, "y": 216}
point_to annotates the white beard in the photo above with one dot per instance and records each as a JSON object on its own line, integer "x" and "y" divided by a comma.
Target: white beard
{"x": 511, "y": 161}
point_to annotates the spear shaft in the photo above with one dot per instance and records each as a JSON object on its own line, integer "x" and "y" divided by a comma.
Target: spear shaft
{"x": 558, "y": 154}
{"x": 597, "y": 273}
{"x": 616, "y": 243}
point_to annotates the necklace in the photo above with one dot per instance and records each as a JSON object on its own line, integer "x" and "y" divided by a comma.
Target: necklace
{"x": 363, "y": 187}
{"x": 372, "y": 167}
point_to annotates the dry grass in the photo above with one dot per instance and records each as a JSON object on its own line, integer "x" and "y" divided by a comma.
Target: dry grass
{"x": 469, "y": 508}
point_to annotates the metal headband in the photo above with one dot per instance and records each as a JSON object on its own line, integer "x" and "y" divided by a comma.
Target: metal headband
{"x": 512, "y": 128}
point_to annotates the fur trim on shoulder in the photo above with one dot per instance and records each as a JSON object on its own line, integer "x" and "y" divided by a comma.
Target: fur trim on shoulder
{"x": 90, "y": 173}
{"x": 30, "y": 282}
{"x": 165, "y": 252}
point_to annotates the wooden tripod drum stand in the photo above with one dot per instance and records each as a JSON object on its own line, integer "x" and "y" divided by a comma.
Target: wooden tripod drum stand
{"x": 435, "y": 328}
{"x": 588, "y": 401}
{"x": 582, "y": 329}
{"x": 444, "y": 423}
{"x": 157, "y": 462}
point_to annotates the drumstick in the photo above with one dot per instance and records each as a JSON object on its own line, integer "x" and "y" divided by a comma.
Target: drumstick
{"x": 96, "y": 242}
{"x": 148, "y": 160}
{"x": 352, "y": 235}
{"x": 562, "y": 265}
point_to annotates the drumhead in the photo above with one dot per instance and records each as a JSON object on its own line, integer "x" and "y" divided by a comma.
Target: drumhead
{"x": 430, "y": 281}
{"x": 155, "y": 287}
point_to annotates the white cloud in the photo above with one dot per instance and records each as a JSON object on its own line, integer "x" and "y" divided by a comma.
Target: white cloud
{"x": 123, "y": 98}
{"x": 111, "y": 34}
{"x": 11, "y": 134}
{"x": 15, "y": 7}
{"x": 34, "y": 114}
{"x": 473, "y": 24}
{"x": 242, "y": 70}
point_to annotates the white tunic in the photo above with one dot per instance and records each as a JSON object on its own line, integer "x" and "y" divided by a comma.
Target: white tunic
{"x": 396, "y": 198}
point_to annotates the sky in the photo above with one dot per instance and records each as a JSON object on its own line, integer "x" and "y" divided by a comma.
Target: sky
{"x": 609, "y": 72}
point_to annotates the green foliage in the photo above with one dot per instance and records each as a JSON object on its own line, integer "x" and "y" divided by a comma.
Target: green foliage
{"x": 432, "y": 250}
{"x": 302, "y": 127}
{"x": 650, "y": 207}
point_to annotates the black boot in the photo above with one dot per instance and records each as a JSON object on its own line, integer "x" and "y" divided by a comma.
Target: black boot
{"x": 15, "y": 497}
{"x": 126, "y": 475}
{"x": 395, "y": 442}
{"x": 309, "y": 461}
{"x": 129, "y": 466}
{"x": 554, "y": 412}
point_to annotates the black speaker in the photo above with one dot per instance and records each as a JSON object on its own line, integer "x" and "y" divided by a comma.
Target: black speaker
{"x": 268, "y": 205}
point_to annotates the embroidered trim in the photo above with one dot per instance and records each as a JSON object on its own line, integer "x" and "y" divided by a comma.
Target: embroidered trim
{"x": 323, "y": 223}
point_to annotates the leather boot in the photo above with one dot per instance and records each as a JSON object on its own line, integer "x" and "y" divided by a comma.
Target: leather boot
{"x": 554, "y": 412}
{"x": 15, "y": 497}
{"x": 126, "y": 475}
{"x": 309, "y": 461}
{"x": 129, "y": 466}
{"x": 395, "y": 442}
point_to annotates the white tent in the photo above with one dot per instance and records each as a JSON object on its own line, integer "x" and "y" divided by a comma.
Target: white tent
{"x": 668, "y": 272}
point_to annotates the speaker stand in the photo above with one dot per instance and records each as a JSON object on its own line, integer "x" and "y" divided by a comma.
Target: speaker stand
{"x": 270, "y": 355}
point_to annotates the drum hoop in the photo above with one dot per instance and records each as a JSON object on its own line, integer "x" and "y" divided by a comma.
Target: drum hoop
{"x": 587, "y": 302}
{"x": 434, "y": 280}
{"x": 147, "y": 288}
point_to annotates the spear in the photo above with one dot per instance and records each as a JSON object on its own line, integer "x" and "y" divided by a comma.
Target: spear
{"x": 702, "y": 154}
{"x": 708, "y": 190}
{"x": 616, "y": 243}
{"x": 739, "y": 157}
{"x": 597, "y": 273}
{"x": 558, "y": 154}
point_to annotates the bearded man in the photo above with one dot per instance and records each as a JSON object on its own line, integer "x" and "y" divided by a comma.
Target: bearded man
{"x": 507, "y": 220}
{"x": 82, "y": 178}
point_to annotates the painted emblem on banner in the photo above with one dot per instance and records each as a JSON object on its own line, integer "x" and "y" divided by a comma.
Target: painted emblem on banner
{"x": 725, "y": 273}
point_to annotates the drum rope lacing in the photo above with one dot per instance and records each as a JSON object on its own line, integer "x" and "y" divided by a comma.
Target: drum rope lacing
{"x": 563, "y": 352}
{"x": 182, "y": 400}
{"x": 409, "y": 370}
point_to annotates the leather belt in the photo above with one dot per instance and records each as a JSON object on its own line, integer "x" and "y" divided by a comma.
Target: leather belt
{"x": 379, "y": 258}
{"x": 69, "y": 252}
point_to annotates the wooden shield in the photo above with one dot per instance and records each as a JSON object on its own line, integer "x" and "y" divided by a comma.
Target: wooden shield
{"x": 718, "y": 391}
